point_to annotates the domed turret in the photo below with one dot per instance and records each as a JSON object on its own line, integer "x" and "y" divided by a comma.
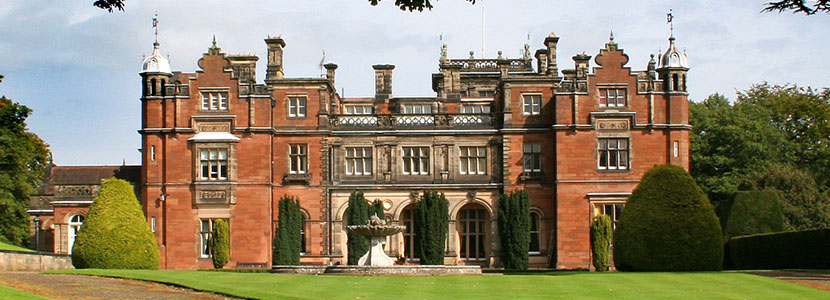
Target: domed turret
{"x": 673, "y": 58}
{"x": 155, "y": 63}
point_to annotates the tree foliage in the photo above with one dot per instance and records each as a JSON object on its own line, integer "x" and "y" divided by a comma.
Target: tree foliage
{"x": 668, "y": 225}
{"x": 115, "y": 234}
{"x": 803, "y": 205}
{"x": 357, "y": 214}
{"x": 754, "y": 212}
{"x": 600, "y": 241}
{"x": 288, "y": 242}
{"x": 23, "y": 159}
{"x": 514, "y": 229}
{"x": 769, "y": 129}
{"x": 377, "y": 209}
{"x": 410, "y": 5}
{"x": 220, "y": 244}
{"x": 431, "y": 226}
{"x": 798, "y": 6}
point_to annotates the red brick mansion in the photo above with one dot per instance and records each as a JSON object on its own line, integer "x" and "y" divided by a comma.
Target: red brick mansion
{"x": 218, "y": 144}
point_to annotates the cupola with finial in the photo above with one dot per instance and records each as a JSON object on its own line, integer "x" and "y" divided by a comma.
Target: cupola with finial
{"x": 155, "y": 69}
{"x": 673, "y": 64}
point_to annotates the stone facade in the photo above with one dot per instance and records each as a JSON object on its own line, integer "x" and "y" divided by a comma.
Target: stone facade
{"x": 216, "y": 144}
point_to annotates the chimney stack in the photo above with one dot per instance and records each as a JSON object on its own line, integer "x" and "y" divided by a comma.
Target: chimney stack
{"x": 330, "y": 67}
{"x": 383, "y": 82}
{"x": 550, "y": 43}
{"x": 275, "y": 51}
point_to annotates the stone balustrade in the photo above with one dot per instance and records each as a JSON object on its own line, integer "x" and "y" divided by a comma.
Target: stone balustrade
{"x": 413, "y": 121}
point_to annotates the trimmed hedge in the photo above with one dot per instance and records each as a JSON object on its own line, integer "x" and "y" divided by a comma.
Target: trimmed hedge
{"x": 600, "y": 241}
{"x": 431, "y": 225}
{"x": 668, "y": 225}
{"x": 288, "y": 242}
{"x": 514, "y": 229}
{"x": 357, "y": 214}
{"x": 809, "y": 249}
{"x": 220, "y": 245}
{"x": 754, "y": 212}
{"x": 115, "y": 234}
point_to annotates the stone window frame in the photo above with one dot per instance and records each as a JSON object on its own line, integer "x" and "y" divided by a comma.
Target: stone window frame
{"x": 604, "y": 91}
{"x": 353, "y": 159}
{"x": 538, "y": 232}
{"x": 206, "y": 104}
{"x": 532, "y": 154}
{"x": 299, "y": 103}
{"x": 605, "y": 151}
{"x": 205, "y": 234}
{"x": 530, "y": 108}
{"x": 207, "y": 163}
{"x": 482, "y": 235}
{"x": 231, "y": 161}
{"x": 470, "y": 108}
{"x": 298, "y": 162}
{"x": 480, "y": 170}
{"x": 420, "y": 160}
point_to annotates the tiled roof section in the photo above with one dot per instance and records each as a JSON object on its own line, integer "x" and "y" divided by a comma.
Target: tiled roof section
{"x": 91, "y": 174}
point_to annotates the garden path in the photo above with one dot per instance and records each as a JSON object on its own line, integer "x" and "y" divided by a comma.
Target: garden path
{"x": 60, "y": 287}
{"x": 815, "y": 280}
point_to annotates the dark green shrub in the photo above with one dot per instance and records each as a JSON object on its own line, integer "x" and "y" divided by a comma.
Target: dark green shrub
{"x": 754, "y": 212}
{"x": 115, "y": 234}
{"x": 357, "y": 214}
{"x": 514, "y": 229}
{"x": 288, "y": 242}
{"x": 785, "y": 250}
{"x": 377, "y": 209}
{"x": 220, "y": 244}
{"x": 431, "y": 225}
{"x": 668, "y": 225}
{"x": 803, "y": 204}
{"x": 600, "y": 241}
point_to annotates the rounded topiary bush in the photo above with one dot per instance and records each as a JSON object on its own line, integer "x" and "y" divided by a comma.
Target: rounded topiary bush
{"x": 668, "y": 224}
{"x": 115, "y": 234}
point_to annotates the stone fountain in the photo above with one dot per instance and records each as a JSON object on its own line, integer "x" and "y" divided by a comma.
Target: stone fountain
{"x": 377, "y": 230}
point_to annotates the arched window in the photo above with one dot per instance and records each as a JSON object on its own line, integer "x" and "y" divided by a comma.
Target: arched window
{"x": 472, "y": 229}
{"x": 675, "y": 83}
{"x": 535, "y": 247}
{"x": 410, "y": 244}
{"x": 153, "y": 87}
{"x": 75, "y": 223}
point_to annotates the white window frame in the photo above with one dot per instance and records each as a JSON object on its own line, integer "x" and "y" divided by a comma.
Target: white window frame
{"x": 415, "y": 160}
{"x": 297, "y": 106}
{"x": 73, "y": 227}
{"x": 476, "y": 109}
{"x": 358, "y": 110}
{"x": 532, "y": 158}
{"x": 214, "y": 101}
{"x": 205, "y": 231}
{"x": 614, "y": 153}
{"x": 614, "y": 214}
{"x": 472, "y": 160}
{"x": 537, "y": 217}
{"x": 416, "y": 109}
{"x": 213, "y": 164}
{"x": 613, "y": 97}
{"x": 297, "y": 158}
{"x": 358, "y": 161}
{"x": 531, "y": 104}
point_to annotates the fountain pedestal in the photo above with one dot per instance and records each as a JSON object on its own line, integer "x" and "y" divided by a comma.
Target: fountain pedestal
{"x": 376, "y": 255}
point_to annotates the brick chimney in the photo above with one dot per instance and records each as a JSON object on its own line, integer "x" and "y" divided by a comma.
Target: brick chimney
{"x": 550, "y": 43}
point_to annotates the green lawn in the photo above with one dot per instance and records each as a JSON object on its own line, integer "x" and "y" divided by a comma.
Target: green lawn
{"x": 8, "y": 293}
{"x": 552, "y": 285}
{"x": 4, "y": 246}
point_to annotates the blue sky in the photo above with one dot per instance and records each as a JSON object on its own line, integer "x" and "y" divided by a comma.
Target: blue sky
{"x": 77, "y": 66}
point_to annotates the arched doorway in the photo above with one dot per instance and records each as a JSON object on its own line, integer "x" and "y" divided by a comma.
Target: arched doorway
{"x": 473, "y": 228}
{"x": 75, "y": 223}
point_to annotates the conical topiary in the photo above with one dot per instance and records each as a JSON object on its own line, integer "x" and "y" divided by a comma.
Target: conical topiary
{"x": 668, "y": 224}
{"x": 220, "y": 245}
{"x": 115, "y": 234}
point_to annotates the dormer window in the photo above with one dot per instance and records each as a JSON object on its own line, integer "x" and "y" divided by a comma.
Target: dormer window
{"x": 214, "y": 101}
{"x": 416, "y": 109}
{"x": 358, "y": 109}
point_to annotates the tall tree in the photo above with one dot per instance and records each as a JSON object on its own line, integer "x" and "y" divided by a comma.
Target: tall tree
{"x": 23, "y": 159}
{"x": 431, "y": 226}
{"x": 288, "y": 242}
{"x": 514, "y": 229}
{"x": 357, "y": 214}
{"x": 804, "y": 207}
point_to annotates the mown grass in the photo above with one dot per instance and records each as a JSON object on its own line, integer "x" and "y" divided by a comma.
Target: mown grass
{"x": 551, "y": 285}
{"x": 8, "y": 293}
{"x": 4, "y": 246}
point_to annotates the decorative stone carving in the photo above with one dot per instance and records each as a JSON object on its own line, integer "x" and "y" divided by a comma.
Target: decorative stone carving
{"x": 612, "y": 125}
{"x": 471, "y": 195}
{"x": 213, "y": 196}
{"x": 77, "y": 190}
{"x": 214, "y": 127}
